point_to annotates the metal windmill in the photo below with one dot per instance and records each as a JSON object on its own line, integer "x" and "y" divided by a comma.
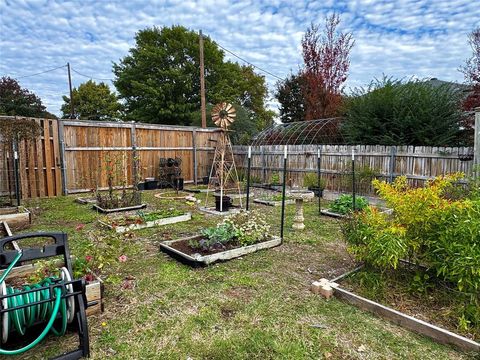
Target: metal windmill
{"x": 223, "y": 174}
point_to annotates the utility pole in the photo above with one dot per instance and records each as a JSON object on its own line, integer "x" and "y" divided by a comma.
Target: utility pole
{"x": 72, "y": 107}
{"x": 202, "y": 84}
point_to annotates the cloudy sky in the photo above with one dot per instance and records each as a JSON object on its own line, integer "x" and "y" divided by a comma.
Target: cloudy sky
{"x": 399, "y": 38}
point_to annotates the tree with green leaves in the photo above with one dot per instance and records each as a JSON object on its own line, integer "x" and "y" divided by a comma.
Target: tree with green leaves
{"x": 289, "y": 93}
{"x": 159, "y": 79}
{"x": 15, "y": 100}
{"x": 392, "y": 112}
{"x": 92, "y": 101}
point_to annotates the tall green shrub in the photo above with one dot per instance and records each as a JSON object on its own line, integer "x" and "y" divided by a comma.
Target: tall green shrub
{"x": 392, "y": 112}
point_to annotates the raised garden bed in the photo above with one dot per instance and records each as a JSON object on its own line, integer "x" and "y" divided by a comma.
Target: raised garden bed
{"x": 86, "y": 200}
{"x": 172, "y": 195}
{"x": 181, "y": 250}
{"x": 197, "y": 189}
{"x": 274, "y": 200}
{"x": 127, "y": 208}
{"x": 121, "y": 225}
{"x": 17, "y": 217}
{"x": 430, "y": 314}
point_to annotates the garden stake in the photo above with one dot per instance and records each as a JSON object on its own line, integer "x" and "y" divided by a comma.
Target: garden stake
{"x": 16, "y": 169}
{"x": 319, "y": 163}
{"x": 283, "y": 191}
{"x": 248, "y": 174}
{"x": 353, "y": 179}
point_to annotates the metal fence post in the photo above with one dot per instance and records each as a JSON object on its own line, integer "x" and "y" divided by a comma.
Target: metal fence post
{"x": 133, "y": 141}
{"x": 16, "y": 170}
{"x": 63, "y": 170}
{"x": 476, "y": 148}
{"x": 264, "y": 166}
{"x": 194, "y": 150}
{"x": 393, "y": 154}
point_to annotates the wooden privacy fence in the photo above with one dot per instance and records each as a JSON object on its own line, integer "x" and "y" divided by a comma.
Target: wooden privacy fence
{"x": 76, "y": 155}
{"x": 418, "y": 164}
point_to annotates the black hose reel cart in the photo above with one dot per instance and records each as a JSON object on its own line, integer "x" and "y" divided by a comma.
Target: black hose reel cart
{"x": 55, "y": 304}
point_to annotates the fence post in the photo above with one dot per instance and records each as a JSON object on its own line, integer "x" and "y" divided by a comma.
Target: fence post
{"x": 63, "y": 170}
{"x": 133, "y": 140}
{"x": 393, "y": 153}
{"x": 264, "y": 166}
{"x": 194, "y": 149}
{"x": 476, "y": 148}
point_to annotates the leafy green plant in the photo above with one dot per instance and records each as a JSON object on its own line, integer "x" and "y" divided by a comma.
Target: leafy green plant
{"x": 426, "y": 227}
{"x": 274, "y": 197}
{"x": 310, "y": 180}
{"x": 344, "y": 204}
{"x": 220, "y": 235}
{"x": 275, "y": 178}
{"x": 251, "y": 227}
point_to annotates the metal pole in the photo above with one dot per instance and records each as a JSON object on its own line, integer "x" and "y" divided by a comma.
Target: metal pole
{"x": 63, "y": 170}
{"x": 202, "y": 84}
{"x": 72, "y": 107}
{"x": 353, "y": 180}
{"x": 133, "y": 141}
{"x": 476, "y": 148}
{"x": 319, "y": 167}
{"x": 16, "y": 169}
{"x": 393, "y": 152}
{"x": 283, "y": 191}
{"x": 248, "y": 175}
{"x": 194, "y": 150}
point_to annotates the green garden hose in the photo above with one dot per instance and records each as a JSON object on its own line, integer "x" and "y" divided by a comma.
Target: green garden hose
{"x": 22, "y": 319}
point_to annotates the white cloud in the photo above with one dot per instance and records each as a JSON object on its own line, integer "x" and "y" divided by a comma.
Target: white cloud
{"x": 400, "y": 38}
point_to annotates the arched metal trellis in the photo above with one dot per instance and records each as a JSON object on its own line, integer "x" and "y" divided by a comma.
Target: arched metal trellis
{"x": 311, "y": 132}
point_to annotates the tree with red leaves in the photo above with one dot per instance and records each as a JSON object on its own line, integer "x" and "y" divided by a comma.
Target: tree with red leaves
{"x": 471, "y": 71}
{"x": 326, "y": 58}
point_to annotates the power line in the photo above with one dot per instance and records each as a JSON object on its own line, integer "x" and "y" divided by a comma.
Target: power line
{"x": 90, "y": 77}
{"x": 249, "y": 63}
{"x": 39, "y": 73}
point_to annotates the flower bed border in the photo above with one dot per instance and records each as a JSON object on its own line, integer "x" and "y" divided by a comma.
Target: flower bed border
{"x": 411, "y": 323}
{"x": 204, "y": 260}
{"x": 127, "y": 208}
{"x": 85, "y": 200}
{"x": 159, "y": 222}
{"x": 16, "y": 216}
{"x": 273, "y": 203}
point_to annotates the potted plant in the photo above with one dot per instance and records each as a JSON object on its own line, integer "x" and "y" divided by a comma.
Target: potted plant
{"x": 237, "y": 235}
{"x": 310, "y": 181}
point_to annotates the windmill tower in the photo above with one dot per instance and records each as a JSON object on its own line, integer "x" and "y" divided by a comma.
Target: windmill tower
{"x": 223, "y": 174}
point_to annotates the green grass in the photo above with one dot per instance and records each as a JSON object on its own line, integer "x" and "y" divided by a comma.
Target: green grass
{"x": 255, "y": 307}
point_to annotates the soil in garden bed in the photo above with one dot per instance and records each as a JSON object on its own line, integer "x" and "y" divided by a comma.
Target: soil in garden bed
{"x": 184, "y": 247}
{"x": 410, "y": 293}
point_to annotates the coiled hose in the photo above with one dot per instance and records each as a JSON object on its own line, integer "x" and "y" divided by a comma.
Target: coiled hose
{"x": 22, "y": 319}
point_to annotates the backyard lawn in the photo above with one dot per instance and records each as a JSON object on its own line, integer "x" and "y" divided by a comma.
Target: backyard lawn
{"x": 255, "y": 307}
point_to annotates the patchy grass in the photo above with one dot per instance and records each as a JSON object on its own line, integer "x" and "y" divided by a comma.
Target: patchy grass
{"x": 255, "y": 307}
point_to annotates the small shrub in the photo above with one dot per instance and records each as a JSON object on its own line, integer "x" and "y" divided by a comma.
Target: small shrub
{"x": 310, "y": 180}
{"x": 344, "y": 204}
{"x": 251, "y": 227}
{"x": 275, "y": 178}
{"x": 429, "y": 229}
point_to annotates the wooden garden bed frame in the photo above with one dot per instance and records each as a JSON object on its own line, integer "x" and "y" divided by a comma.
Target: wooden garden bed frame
{"x": 16, "y": 216}
{"x": 203, "y": 260}
{"x": 127, "y": 208}
{"x": 421, "y": 327}
{"x": 164, "y": 221}
{"x": 273, "y": 203}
